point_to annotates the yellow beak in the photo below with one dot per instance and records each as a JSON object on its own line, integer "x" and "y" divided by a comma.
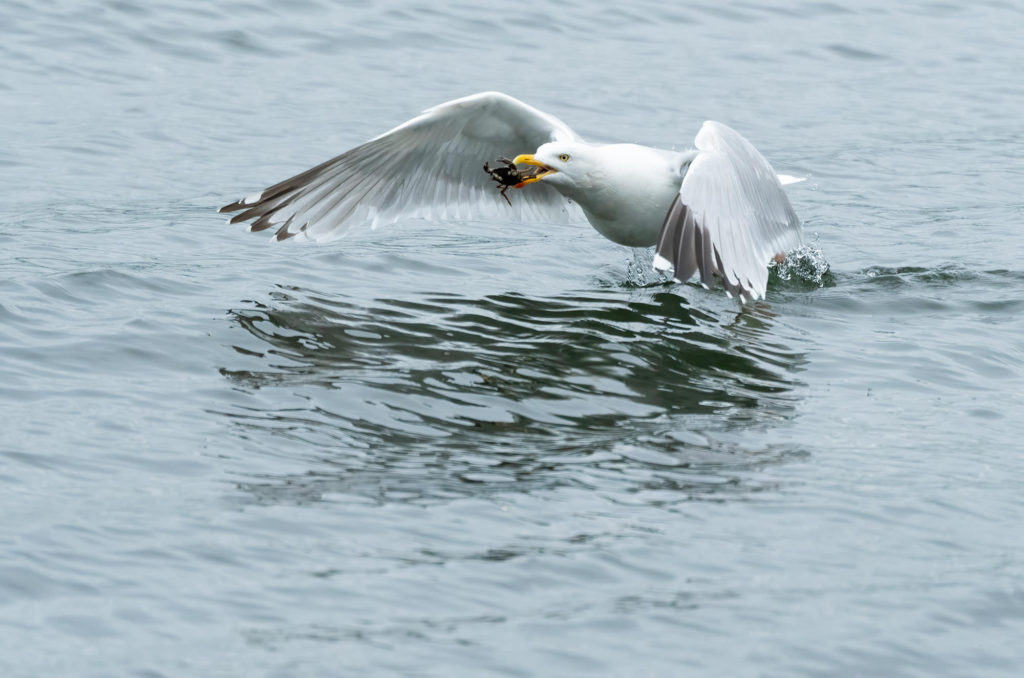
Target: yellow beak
{"x": 528, "y": 159}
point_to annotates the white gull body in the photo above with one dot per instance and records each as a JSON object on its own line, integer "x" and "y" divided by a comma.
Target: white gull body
{"x": 716, "y": 211}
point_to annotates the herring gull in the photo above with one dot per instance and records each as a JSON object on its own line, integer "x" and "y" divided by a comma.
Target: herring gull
{"x": 716, "y": 211}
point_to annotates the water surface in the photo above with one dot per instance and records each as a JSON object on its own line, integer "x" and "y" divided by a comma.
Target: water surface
{"x": 474, "y": 448}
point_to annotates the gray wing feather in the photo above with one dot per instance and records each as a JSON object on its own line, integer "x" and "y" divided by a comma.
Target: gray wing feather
{"x": 730, "y": 217}
{"x": 431, "y": 165}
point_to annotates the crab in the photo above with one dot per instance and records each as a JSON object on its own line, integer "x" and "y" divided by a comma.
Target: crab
{"x": 506, "y": 177}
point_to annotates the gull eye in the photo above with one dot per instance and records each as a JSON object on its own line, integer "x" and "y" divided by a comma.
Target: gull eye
{"x": 564, "y": 157}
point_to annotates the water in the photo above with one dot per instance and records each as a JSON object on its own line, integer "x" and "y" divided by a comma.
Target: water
{"x": 504, "y": 449}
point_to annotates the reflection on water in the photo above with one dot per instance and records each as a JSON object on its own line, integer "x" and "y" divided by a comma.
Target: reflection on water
{"x": 442, "y": 394}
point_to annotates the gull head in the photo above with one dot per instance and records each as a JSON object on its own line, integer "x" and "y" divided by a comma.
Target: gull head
{"x": 564, "y": 165}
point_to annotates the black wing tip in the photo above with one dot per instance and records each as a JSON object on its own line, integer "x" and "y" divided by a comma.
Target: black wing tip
{"x": 283, "y": 235}
{"x": 246, "y": 203}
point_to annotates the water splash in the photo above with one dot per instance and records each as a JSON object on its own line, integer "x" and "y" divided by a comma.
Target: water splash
{"x": 640, "y": 269}
{"x": 805, "y": 265}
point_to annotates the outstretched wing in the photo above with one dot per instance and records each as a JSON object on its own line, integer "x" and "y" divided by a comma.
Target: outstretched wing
{"x": 730, "y": 218}
{"x": 431, "y": 165}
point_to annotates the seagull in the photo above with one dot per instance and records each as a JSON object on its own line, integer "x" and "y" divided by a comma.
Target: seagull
{"x": 717, "y": 211}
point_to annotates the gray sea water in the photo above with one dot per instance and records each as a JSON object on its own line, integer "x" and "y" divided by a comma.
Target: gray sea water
{"x": 467, "y": 448}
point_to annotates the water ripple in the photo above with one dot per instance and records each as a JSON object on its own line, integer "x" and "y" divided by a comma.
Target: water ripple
{"x": 476, "y": 378}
